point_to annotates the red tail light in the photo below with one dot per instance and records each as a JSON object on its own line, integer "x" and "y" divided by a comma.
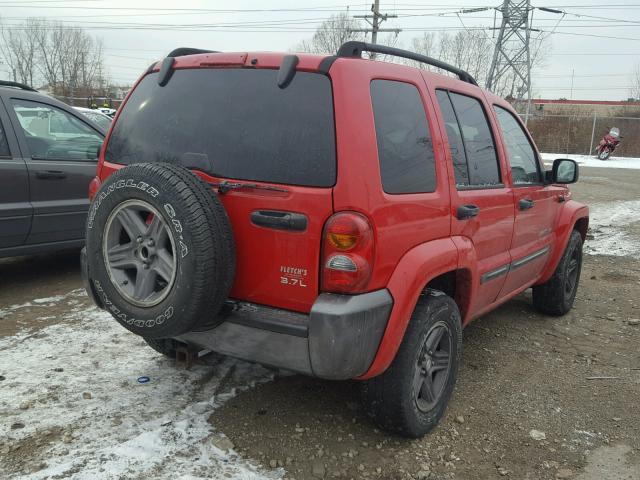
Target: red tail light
{"x": 347, "y": 253}
{"x": 94, "y": 186}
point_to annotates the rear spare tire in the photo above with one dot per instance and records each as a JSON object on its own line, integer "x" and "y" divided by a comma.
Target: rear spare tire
{"x": 160, "y": 250}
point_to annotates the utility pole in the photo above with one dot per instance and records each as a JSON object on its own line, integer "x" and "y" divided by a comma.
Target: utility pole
{"x": 375, "y": 20}
{"x": 512, "y": 51}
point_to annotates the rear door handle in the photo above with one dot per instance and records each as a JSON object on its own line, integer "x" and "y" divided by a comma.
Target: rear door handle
{"x": 51, "y": 174}
{"x": 467, "y": 211}
{"x": 526, "y": 204}
{"x": 278, "y": 220}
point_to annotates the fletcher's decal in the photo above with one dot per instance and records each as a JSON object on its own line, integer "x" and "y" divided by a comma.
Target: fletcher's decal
{"x": 293, "y": 276}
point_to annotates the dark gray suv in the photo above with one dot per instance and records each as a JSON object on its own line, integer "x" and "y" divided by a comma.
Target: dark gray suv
{"x": 48, "y": 156}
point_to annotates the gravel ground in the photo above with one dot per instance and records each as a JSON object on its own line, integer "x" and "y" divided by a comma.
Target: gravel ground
{"x": 537, "y": 397}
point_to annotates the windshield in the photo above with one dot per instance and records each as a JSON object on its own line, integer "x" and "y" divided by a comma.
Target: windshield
{"x": 614, "y": 132}
{"x": 100, "y": 119}
{"x": 232, "y": 123}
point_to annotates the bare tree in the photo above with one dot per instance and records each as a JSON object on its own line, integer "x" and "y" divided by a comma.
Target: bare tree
{"x": 635, "y": 83}
{"x": 19, "y": 50}
{"x": 66, "y": 58}
{"x": 331, "y": 34}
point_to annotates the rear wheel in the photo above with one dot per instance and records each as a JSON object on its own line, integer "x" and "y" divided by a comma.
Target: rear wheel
{"x": 556, "y": 295}
{"x": 411, "y": 397}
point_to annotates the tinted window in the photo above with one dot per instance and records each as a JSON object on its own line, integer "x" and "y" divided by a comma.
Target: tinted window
{"x": 522, "y": 158}
{"x": 4, "y": 145}
{"x": 478, "y": 141}
{"x": 404, "y": 143}
{"x": 232, "y": 123}
{"x": 454, "y": 137}
{"x": 52, "y": 133}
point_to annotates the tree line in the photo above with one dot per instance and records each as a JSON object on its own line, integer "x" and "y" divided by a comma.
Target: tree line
{"x": 66, "y": 58}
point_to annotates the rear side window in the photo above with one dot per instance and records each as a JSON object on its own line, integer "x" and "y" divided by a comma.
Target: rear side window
{"x": 4, "y": 144}
{"x": 454, "y": 135}
{"x": 232, "y": 123}
{"x": 405, "y": 150}
{"x": 522, "y": 158}
{"x": 477, "y": 140}
{"x": 55, "y": 134}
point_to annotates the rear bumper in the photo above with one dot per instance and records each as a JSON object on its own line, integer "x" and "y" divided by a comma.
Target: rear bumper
{"x": 338, "y": 340}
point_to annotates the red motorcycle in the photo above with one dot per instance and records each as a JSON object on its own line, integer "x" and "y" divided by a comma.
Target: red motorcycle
{"x": 609, "y": 143}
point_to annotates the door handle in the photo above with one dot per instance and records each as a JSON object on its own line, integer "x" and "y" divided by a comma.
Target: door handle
{"x": 467, "y": 211}
{"x": 279, "y": 220}
{"x": 526, "y": 203}
{"x": 51, "y": 174}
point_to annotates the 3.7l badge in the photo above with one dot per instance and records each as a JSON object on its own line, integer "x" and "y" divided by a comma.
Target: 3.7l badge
{"x": 294, "y": 276}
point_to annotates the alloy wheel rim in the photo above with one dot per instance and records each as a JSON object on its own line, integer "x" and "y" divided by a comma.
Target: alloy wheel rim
{"x": 139, "y": 253}
{"x": 433, "y": 367}
{"x": 572, "y": 272}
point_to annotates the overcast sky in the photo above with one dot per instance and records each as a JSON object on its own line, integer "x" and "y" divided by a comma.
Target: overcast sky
{"x": 602, "y": 66}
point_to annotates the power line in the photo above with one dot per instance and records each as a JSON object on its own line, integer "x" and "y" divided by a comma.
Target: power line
{"x": 375, "y": 20}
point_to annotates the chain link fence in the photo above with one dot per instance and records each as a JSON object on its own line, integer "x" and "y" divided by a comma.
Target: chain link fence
{"x": 580, "y": 134}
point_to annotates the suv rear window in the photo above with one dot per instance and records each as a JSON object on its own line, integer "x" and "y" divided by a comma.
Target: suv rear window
{"x": 232, "y": 123}
{"x": 404, "y": 144}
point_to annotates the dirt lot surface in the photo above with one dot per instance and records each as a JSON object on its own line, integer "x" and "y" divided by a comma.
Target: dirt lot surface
{"x": 537, "y": 397}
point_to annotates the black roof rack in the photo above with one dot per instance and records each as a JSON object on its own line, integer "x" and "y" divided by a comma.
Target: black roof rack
{"x": 355, "y": 49}
{"x": 22, "y": 86}
{"x": 182, "y": 51}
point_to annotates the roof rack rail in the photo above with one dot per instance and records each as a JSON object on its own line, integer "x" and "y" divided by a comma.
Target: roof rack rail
{"x": 355, "y": 49}
{"x": 182, "y": 51}
{"x": 22, "y": 86}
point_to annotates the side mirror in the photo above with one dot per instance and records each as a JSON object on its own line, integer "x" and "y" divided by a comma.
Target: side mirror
{"x": 564, "y": 171}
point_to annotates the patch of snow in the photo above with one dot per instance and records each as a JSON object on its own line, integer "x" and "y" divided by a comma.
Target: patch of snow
{"x": 593, "y": 162}
{"x": 608, "y": 223}
{"x": 79, "y": 380}
{"x": 71, "y": 298}
{"x": 54, "y": 299}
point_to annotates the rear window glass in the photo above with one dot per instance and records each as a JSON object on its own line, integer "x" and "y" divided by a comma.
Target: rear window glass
{"x": 232, "y": 123}
{"x": 478, "y": 141}
{"x": 404, "y": 143}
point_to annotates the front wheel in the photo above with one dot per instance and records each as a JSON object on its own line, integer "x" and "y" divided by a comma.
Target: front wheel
{"x": 411, "y": 397}
{"x": 604, "y": 154}
{"x": 556, "y": 295}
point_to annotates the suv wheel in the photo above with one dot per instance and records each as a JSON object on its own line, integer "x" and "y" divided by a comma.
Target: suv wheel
{"x": 160, "y": 251}
{"x": 410, "y": 398}
{"x": 556, "y": 295}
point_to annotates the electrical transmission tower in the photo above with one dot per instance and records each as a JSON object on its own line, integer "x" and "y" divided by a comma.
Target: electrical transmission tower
{"x": 375, "y": 20}
{"x": 512, "y": 51}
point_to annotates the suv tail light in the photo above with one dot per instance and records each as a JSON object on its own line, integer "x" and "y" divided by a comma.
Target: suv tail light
{"x": 347, "y": 253}
{"x": 94, "y": 186}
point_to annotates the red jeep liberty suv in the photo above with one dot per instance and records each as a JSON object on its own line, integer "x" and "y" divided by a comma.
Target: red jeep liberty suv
{"x": 331, "y": 215}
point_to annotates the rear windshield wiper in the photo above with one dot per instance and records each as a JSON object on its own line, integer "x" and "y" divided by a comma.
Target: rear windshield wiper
{"x": 225, "y": 186}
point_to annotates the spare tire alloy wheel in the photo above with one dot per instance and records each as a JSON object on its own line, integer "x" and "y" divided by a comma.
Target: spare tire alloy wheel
{"x": 160, "y": 251}
{"x": 139, "y": 251}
